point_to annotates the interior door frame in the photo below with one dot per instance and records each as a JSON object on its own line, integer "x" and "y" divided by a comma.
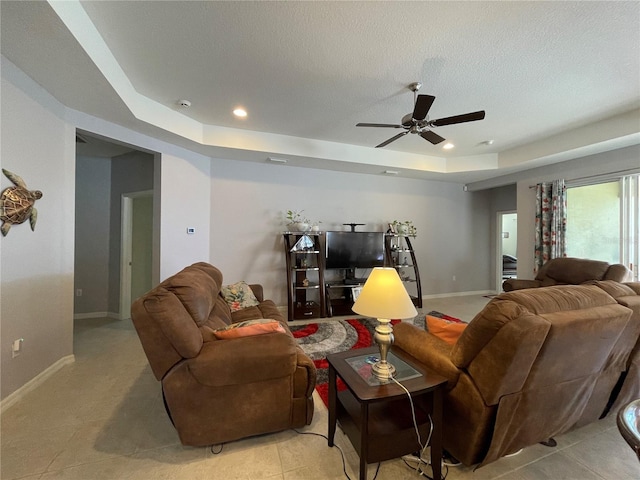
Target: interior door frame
{"x": 126, "y": 249}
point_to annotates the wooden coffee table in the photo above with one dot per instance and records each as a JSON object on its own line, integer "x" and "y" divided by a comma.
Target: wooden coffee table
{"x": 377, "y": 417}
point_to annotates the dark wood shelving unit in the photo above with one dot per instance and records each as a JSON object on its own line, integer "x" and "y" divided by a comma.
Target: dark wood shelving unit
{"x": 399, "y": 253}
{"x": 304, "y": 252}
{"x": 339, "y": 297}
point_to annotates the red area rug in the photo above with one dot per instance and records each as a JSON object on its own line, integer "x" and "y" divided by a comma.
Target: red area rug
{"x": 321, "y": 339}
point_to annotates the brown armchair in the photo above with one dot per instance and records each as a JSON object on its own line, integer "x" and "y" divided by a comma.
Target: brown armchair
{"x": 215, "y": 390}
{"x": 569, "y": 271}
{"x": 531, "y": 365}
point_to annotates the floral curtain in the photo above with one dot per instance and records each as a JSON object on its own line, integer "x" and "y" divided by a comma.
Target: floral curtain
{"x": 551, "y": 222}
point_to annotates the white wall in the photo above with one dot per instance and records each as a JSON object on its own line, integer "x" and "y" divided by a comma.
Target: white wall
{"x": 593, "y": 165}
{"x": 37, "y": 268}
{"x": 249, "y": 201}
{"x": 185, "y": 190}
{"x": 36, "y": 276}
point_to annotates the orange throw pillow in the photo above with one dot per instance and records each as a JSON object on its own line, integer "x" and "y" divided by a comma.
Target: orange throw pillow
{"x": 248, "y": 328}
{"x": 447, "y": 330}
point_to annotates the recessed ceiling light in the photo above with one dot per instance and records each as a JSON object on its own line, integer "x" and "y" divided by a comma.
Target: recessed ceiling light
{"x": 240, "y": 112}
{"x": 448, "y": 146}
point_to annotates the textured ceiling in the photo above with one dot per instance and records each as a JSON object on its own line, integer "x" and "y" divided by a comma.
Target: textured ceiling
{"x": 312, "y": 70}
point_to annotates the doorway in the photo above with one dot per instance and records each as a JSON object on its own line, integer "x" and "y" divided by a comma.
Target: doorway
{"x": 136, "y": 252}
{"x": 107, "y": 170}
{"x": 507, "y": 244}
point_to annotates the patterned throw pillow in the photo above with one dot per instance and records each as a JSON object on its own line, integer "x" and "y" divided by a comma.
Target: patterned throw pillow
{"x": 239, "y": 295}
{"x": 249, "y": 328}
{"x": 447, "y": 328}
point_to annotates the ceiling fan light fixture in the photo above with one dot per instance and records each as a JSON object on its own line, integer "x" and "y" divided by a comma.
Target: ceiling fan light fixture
{"x": 448, "y": 146}
{"x": 419, "y": 122}
{"x": 240, "y": 112}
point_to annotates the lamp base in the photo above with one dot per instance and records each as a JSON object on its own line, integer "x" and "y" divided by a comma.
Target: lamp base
{"x": 383, "y": 371}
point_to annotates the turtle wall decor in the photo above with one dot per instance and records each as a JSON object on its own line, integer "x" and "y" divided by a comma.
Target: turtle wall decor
{"x": 16, "y": 203}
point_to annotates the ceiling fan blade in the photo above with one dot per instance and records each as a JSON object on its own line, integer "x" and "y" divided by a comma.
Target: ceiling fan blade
{"x": 432, "y": 137}
{"x": 467, "y": 117}
{"x": 392, "y": 139}
{"x": 423, "y": 104}
{"x": 384, "y": 125}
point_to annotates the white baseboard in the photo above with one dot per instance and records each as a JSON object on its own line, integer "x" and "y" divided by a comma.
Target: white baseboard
{"x": 36, "y": 381}
{"x": 83, "y": 316}
{"x": 460, "y": 294}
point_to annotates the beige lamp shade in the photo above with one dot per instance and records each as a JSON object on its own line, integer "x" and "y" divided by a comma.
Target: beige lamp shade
{"x": 384, "y": 296}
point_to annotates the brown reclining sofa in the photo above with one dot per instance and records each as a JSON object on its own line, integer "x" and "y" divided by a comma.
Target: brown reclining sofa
{"x": 533, "y": 364}
{"x": 570, "y": 271}
{"x": 217, "y": 391}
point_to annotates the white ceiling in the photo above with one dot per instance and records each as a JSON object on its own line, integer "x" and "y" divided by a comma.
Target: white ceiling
{"x": 556, "y": 79}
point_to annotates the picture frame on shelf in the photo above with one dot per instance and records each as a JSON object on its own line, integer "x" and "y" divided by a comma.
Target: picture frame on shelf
{"x": 355, "y": 292}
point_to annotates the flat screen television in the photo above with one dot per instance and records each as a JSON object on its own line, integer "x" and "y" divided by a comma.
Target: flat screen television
{"x": 355, "y": 250}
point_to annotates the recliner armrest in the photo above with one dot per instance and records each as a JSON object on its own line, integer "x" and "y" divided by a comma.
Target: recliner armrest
{"x": 304, "y": 362}
{"x": 428, "y": 349}
{"x": 244, "y": 360}
{"x": 518, "y": 284}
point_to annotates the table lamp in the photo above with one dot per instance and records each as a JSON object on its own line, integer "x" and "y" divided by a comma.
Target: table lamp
{"x": 384, "y": 297}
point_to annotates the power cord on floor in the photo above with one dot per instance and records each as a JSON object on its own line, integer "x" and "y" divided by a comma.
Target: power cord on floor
{"x": 344, "y": 464}
{"x": 418, "y": 458}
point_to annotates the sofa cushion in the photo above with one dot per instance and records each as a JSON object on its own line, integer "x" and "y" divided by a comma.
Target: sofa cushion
{"x": 220, "y": 312}
{"x": 239, "y": 296}
{"x": 560, "y": 298}
{"x": 175, "y": 323}
{"x": 615, "y": 289}
{"x": 196, "y": 290}
{"x": 576, "y": 270}
{"x": 445, "y": 329}
{"x": 483, "y": 328}
{"x": 249, "y": 328}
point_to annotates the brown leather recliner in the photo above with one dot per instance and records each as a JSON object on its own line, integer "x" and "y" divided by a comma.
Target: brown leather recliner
{"x": 531, "y": 365}
{"x": 218, "y": 391}
{"x": 628, "y": 388}
{"x": 569, "y": 271}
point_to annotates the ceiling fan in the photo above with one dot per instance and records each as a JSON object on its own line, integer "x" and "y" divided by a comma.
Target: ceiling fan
{"x": 418, "y": 122}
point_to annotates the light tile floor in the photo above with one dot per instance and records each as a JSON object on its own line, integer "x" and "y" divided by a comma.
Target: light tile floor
{"x": 102, "y": 418}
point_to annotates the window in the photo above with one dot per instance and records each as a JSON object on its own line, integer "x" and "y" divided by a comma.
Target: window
{"x": 602, "y": 221}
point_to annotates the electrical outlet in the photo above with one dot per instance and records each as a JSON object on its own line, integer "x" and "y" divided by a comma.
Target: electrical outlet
{"x": 16, "y": 347}
{"x": 79, "y": 292}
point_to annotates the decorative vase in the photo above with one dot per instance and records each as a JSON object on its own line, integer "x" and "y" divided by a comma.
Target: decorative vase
{"x": 302, "y": 226}
{"x": 403, "y": 229}
{"x": 315, "y": 228}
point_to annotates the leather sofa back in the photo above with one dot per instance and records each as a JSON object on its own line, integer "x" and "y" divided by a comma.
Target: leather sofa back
{"x": 574, "y": 271}
{"x": 516, "y": 341}
{"x": 628, "y": 295}
{"x": 569, "y": 271}
{"x": 173, "y": 320}
{"x": 533, "y": 364}
{"x": 568, "y": 381}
